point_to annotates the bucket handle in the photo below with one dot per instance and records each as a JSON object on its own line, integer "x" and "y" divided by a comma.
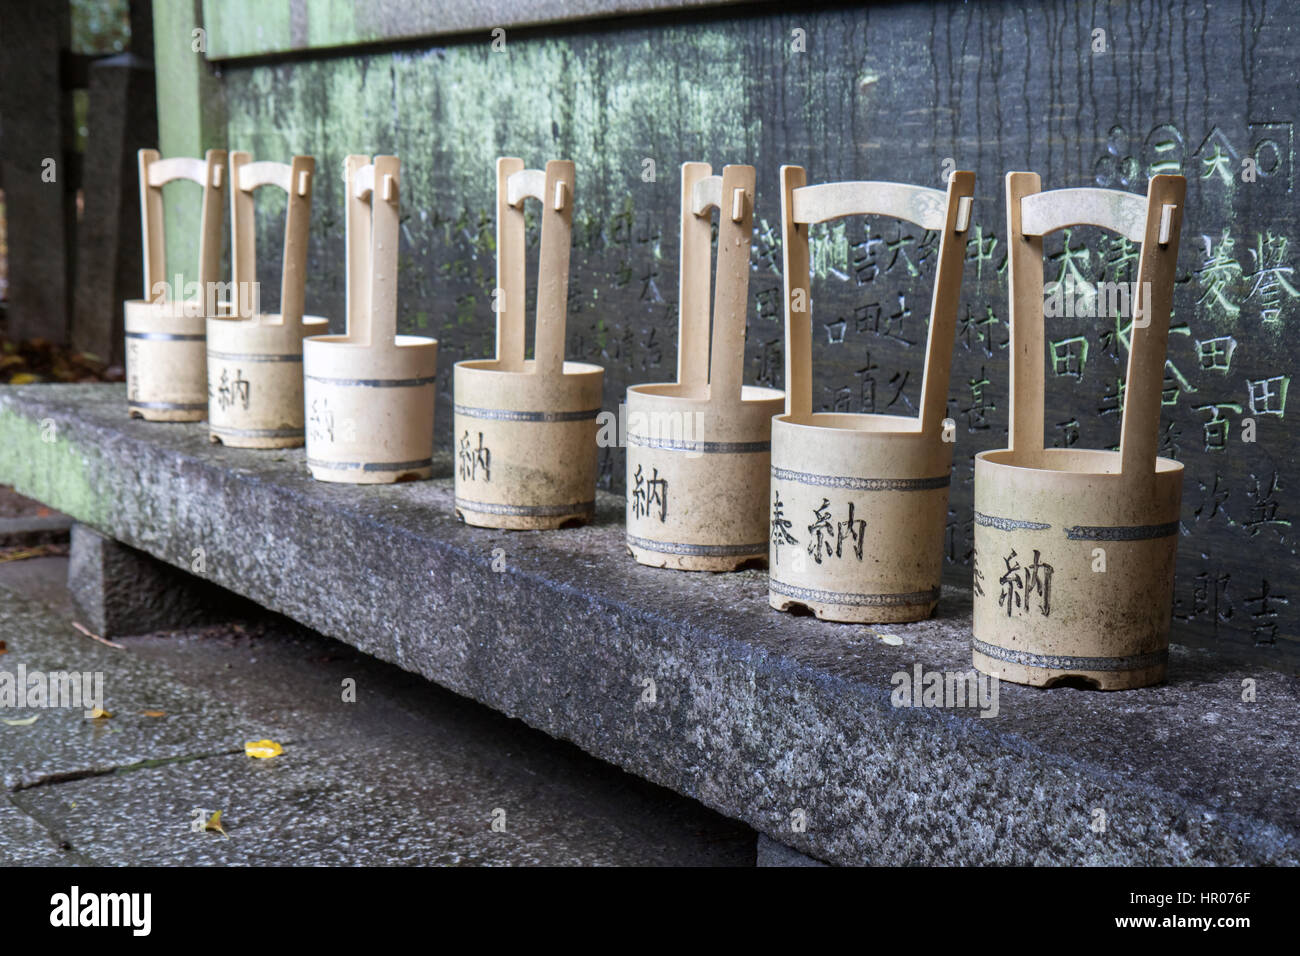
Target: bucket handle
{"x": 155, "y": 173}
{"x": 371, "y": 225}
{"x": 295, "y": 179}
{"x": 1156, "y": 223}
{"x": 948, "y": 213}
{"x": 732, "y": 194}
{"x": 553, "y": 187}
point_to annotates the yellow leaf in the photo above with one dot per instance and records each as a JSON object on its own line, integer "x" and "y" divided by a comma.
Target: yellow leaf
{"x": 25, "y": 722}
{"x": 263, "y": 749}
{"x": 99, "y": 713}
{"x": 154, "y": 713}
{"x": 214, "y": 824}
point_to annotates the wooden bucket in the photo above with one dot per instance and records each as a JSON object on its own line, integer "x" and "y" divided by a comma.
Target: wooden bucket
{"x": 859, "y": 502}
{"x": 525, "y": 429}
{"x": 1075, "y": 548}
{"x": 255, "y": 391}
{"x": 370, "y": 392}
{"x": 698, "y": 449}
{"x": 166, "y": 365}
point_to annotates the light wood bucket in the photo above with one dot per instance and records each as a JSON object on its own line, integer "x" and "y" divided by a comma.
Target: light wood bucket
{"x": 698, "y": 449}
{"x": 525, "y": 430}
{"x": 370, "y": 393}
{"x": 859, "y": 502}
{"x": 166, "y": 364}
{"x": 1074, "y": 548}
{"x": 255, "y": 389}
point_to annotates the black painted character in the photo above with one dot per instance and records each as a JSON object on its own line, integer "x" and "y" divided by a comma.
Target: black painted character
{"x": 856, "y": 531}
{"x": 649, "y": 492}
{"x": 229, "y": 392}
{"x": 1038, "y": 580}
{"x": 780, "y": 527}
{"x": 322, "y": 420}
{"x": 822, "y": 532}
{"x": 1011, "y": 583}
{"x": 470, "y": 459}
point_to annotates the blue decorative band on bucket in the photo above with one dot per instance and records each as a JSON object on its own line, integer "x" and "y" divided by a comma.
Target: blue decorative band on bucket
{"x": 220, "y": 430}
{"x": 1137, "y": 532}
{"x": 252, "y": 357}
{"x": 530, "y": 511}
{"x": 1071, "y": 663}
{"x": 701, "y": 447}
{"x": 373, "y": 382}
{"x": 167, "y": 336}
{"x": 862, "y": 484}
{"x": 169, "y": 406}
{"x": 371, "y": 465}
{"x": 1009, "y": 524}
{"x": 855, "y": 600}
{"x": 507, "y": 415}
{"x": 698, "y": 550}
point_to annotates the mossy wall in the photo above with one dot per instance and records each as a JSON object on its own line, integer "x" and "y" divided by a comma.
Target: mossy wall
{"x": 902, "y": 92}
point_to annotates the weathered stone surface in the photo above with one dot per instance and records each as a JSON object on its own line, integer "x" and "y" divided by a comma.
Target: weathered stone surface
{"x": 771, "y": 853}
{"x": 24, "y": 522}
{"x": 118, "y": 590}
{"x": 754, "y": 713}
{"x": 403, "y": 774}
{"x": 24, "y": 532}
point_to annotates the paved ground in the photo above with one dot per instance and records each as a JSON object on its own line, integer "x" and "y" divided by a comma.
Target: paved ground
{"x": 406, "y": 774}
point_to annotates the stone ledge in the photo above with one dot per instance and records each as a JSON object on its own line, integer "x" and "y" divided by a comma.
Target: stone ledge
{"x": 28, "y": 531}
{"x": 762, "y": 716}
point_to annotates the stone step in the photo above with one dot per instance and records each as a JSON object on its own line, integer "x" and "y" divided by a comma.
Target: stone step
{"x": 690, "y": 680}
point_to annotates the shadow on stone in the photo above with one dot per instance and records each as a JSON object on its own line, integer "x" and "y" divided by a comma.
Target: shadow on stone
{"x": 118, "y": 591}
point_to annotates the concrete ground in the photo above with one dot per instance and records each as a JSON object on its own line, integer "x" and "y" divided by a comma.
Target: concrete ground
{"x": 406, "y": 774}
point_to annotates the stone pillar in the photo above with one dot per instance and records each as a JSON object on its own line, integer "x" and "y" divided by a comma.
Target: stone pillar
{"x": 36, "y": 155}
{"x": 117, "y": 590}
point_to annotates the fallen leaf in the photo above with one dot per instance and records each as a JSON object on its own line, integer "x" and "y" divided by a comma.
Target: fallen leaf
{"x": 892, "y": 639}
{"x": 214, "y": 825}
{"x": 25, "y": 722}
{"x": 263, "y": 749}
{"x": 154, "y": 713}
{"x": 99, "y": 713}
{"x": 24, "y": 378}
{"x": 4, "y": 648}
